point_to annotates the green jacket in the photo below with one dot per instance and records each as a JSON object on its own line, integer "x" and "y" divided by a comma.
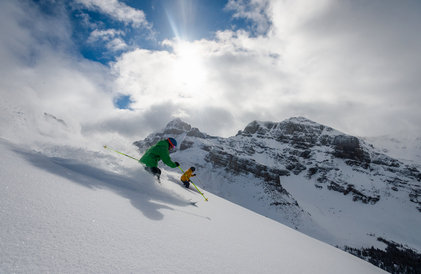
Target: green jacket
{"x": 157, "y": 152}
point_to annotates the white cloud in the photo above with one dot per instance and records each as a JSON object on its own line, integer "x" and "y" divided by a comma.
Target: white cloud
{"x": 256, "y": 11}
{"x": 119, "y": 11}
{"x": 113, "y": 43}
{"x": 117, "y": 44}
{"x": 104, "y": 35}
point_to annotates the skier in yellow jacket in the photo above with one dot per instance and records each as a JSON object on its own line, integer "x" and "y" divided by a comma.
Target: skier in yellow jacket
{"x": 186, "y": 176}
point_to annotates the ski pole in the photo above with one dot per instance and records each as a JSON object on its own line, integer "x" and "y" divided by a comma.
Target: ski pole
{"x": 200, "y": 182}
{"x": 122, "y": 153}
{"x": 206, "y": 199}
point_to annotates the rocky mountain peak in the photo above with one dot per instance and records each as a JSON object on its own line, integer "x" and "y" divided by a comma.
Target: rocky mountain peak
{"x": 302, "y": 133}
{"x": 289, "y": 127}
{"x": 176, "y": 126}
{"x": 177, "y": 129}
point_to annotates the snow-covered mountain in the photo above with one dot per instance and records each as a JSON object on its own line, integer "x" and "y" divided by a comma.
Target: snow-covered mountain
{"x": 343, "y": 190}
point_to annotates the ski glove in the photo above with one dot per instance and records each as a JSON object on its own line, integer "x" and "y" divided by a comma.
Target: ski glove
{"x": 177, "y": 164}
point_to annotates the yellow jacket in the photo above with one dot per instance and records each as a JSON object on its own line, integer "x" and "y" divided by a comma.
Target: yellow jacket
{"x": 186, "y": 176}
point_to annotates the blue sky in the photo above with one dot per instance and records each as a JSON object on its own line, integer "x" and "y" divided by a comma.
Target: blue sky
{"x": 129, "y": 67}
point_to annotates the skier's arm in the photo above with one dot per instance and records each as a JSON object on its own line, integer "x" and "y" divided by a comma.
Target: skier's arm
{"x": 165, "y": 157}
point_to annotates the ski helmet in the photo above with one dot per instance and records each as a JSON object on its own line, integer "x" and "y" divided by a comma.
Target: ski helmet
{"x": 192, "y": 168}
{"x": 172, "y": 142}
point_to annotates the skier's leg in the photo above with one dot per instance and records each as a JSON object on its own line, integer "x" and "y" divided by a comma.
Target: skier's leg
{"x": 155, "y": 171}
{"x": 186, "y": 184}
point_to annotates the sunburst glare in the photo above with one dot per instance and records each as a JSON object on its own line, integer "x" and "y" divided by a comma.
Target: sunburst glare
{"x": 189, "y": 71}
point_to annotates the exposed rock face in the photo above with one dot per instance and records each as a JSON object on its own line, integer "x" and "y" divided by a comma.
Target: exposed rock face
{"x": 301, "y": 133}
{"x": 348, "y": 147}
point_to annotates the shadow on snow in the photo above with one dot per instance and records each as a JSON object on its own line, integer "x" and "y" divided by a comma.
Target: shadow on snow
{"x": 143, "y": 194}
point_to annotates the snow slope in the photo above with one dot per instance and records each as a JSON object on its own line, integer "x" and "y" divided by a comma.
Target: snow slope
{"x": 401, "y": 145}
{"x": 64, "y": 215}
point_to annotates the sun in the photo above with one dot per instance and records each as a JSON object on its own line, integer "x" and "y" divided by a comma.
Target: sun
{"x": 189, "y": 71}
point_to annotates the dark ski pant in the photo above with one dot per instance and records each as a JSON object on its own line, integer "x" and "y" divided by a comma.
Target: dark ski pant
{"x": 186, "y": 183}
{"x": 154, "y": 171}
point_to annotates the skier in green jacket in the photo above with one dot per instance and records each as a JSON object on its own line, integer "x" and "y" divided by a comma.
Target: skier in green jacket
{"x": 157, "y": 152}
